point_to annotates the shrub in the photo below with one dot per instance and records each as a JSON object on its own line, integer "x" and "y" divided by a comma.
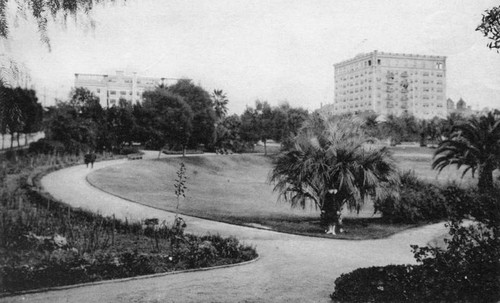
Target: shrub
{"x": 44, "y": 146}
{"x": 126, "y": 150}
{"x": 468, "y": 270}
{"x": 418, "y": 201}
{"x": 393, "y": 283}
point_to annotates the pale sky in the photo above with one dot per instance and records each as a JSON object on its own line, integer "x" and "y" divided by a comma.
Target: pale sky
{"x": 267, "y": 50}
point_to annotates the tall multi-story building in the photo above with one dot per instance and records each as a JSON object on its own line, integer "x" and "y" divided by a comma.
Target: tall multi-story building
{"x": 111, "y": 88}
{"x": 388, "y": 83}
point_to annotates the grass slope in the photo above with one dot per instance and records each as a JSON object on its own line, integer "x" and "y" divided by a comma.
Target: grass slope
{"x": 235, "y": 189}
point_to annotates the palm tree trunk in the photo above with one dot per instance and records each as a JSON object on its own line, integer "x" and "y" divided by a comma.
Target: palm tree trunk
{"x": 331, "y": 221}
{"x": 485, "y": 177}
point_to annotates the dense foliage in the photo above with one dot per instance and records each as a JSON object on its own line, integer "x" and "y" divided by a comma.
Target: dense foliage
{"x": 44, "y": 243}
{"x": 177, "y": 117}
{"x": 20, "y": 113}
{"x": 474, "y": 145}
{"x": 466, "y": 270}
{"x": 417, "y": 202}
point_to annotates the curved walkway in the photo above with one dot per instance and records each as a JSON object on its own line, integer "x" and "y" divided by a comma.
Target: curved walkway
{"x": 291, "y": 268}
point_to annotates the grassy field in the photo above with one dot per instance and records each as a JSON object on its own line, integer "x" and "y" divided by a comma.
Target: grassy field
{"x": 234, "y": 188}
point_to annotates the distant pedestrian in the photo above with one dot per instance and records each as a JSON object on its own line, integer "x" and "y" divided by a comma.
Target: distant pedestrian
{"x": 89, "y": 159}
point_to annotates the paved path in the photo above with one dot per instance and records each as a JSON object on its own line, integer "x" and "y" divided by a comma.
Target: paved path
{"x": 291, "y": 268}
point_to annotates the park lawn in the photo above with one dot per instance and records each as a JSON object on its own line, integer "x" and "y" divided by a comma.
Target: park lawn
{"x": 234, "y": 189}
{"x": 419, "y": 159}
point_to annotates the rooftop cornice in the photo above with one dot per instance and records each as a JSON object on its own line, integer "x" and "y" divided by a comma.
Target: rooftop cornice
{"x": 375, "y": 53}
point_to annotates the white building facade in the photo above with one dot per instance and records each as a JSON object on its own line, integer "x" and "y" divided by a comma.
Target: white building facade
{"x": 111, "y": 88}
{"x": 391, "y": 84}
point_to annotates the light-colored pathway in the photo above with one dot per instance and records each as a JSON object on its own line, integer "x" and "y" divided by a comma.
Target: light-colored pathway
{"x": 290, "y": 269}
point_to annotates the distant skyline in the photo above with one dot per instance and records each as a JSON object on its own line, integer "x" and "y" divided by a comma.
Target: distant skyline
{"x": 267, "y": 50}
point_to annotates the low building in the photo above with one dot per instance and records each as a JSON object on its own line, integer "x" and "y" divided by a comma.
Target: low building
{"x": 111, "y": 88}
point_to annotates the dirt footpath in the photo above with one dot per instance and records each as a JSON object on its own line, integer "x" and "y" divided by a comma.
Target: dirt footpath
{"x": 290, "y": 269}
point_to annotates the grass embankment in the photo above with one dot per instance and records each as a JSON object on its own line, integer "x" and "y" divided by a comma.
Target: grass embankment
{"x": 45, "y": 243}
{"x": 234, "y": 189}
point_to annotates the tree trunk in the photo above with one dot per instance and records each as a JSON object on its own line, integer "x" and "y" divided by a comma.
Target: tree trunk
{"x": 265, "y": 147}
{"x": 332, "y": 221}
{"x": 485, "y": 177}
{"x": 331, "y": 212}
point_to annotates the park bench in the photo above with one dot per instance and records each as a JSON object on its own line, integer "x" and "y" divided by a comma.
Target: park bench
{"x": 134, "y": 156}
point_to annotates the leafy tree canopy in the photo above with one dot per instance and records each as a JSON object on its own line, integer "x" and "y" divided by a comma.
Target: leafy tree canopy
{"x": 490, "y": 27}
{"x": 171, "y": 118}
{"x": 203, "y": 125}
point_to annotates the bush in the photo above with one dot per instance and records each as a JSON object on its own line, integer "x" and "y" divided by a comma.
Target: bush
{"x": 468, "y": 270}
{"x": 126, "y": 150}
{"x": 418, "y": 201}
{"x": 393, "y": 283}
{"x": 44, "y": 146}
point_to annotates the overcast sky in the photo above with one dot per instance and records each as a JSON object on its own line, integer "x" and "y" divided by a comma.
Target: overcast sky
{"x": 267, "y": 50}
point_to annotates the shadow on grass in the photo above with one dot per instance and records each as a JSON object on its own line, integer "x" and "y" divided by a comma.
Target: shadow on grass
{"x": 355, "y": 228}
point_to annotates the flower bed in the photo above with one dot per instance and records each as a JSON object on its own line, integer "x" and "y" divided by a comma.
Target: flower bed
{"x": 45, "y": 243}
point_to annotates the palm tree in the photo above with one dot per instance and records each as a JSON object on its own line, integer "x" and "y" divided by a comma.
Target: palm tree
{"x": 474, "y": 145}
{"x": 220, "y": 102}
{"x": 332, "y": 165}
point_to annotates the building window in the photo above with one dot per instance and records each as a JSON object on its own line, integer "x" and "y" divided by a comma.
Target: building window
{"x": 439, "y": 65}
{"x": 112, "y": 92}
{"x": 123, "y": 93}
{"x": 379, "y": 62}
{"x": 98, "y": 90}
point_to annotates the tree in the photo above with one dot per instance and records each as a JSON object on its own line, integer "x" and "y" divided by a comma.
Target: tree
{"x": 286, "y": 122}
{"x": 203, "y": 123}
{"x": 172, "y": 118}
{"x": 219, "y": 101}
{"x": 42, "y": 11}
{"x": 490, "y": 27}
{"x": 4, "y": 99}
{"x": 32, "y": 111}
{"x": 79, "y": 124}
{"x": 332, "y": 166}
{"x": 257, "y": 124}
{"x": 121, "y": 124}
{"x": 474, "y": 145}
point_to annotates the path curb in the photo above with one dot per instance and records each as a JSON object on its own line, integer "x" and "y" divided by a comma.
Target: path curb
{"x": 115, "y": 281}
